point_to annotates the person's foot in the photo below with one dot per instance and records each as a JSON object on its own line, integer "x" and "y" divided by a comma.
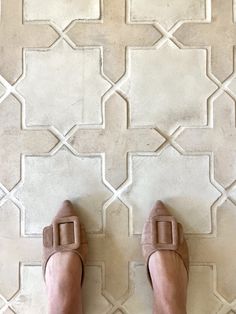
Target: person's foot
{"x": 63, "y": 266}
{"x": 167, "y": 261}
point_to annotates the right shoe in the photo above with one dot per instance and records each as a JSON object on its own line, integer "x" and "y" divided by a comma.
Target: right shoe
{"x": 162, "y": 232}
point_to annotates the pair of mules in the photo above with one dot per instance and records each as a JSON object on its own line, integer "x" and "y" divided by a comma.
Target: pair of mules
{"x": 161, "y": 232}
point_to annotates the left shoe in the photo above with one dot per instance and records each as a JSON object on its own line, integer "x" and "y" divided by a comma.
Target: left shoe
{"x": 65, "y": 234}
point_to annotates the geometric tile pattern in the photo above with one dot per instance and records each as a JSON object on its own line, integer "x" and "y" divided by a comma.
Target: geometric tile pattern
{"x": 73, "y": 103}
{"x": 157, "y": 98}
{"x": 116, "y": 136}
{"x": 212, "y": 35}
{"x": 114, "y": 104}
{"x": 114, "y": 33}
{"x": 167, "y": 13}
{"x": 60, "y": 12}
{"x": 219, "y": 139}
{"x": 174, "y": 175}
{"x": 16, "y": 35}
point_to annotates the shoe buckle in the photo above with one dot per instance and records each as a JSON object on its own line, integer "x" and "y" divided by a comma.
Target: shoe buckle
{"x": 173, "y": 244}
{"x": 76, "y": 233}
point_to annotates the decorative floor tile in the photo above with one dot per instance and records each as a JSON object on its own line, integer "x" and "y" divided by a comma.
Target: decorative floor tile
{"x": 119, "y": 243}
{"x": 2, "y": 90}
{"x": 219, "y": 139}
{"x": 15, "y": 246}
{"x": 166, "y": 88}
{"x": 141, "y": 299}
{"x": 182, "y": 182}
{"x": 114, "y": 33}
{"x": 167, "y": 13}
{"x": 114, "y": 104}
{"x": 61, "y": 12}
{"x": 215, "y": 249}
{"x": 116, "y": 140}
{"x": 63, "y": 87}
{"x": 14, "y": 141}
{"x": 212, "y": 34}
{"x": 62, "y": 176}
{"x": 15, "y": 35}
{"x": 93, "y": 286}
{"x": 27, "y": 301}
{"x": 201, "y": 297}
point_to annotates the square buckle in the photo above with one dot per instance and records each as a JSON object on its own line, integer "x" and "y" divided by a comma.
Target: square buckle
{"x": 56, "y": 233}
{"x": 174, "y": 233}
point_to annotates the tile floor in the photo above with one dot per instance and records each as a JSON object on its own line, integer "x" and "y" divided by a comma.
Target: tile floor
{"x": 114, "y": 104}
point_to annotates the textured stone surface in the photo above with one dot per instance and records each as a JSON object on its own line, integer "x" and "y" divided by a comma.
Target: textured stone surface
{"x": 63, "y": 176}
{"x": 214, "y": 250}
{"x": 182, "y": 182}
{"x": 70, "y": 128}
{"x": 167, "y": 13}
{"x": 213, "y": 35}
{"x": 220, "y": 139}
{"x": 114, "y": 34}
{"x": 166, "y": 88}
{"x": 2, "y": 90}
{"x": 201, "y": 296}
{"x": 116, "y": 140}
{"x": 61, "y": 12}
{"x": 27, "y": 301}
{"x": 14, "y": 141}
{"x": 16, "y": 35}
{"x": 119, "y": 243}
{"x": 14, "y": 249}
{"x": 93, "y": 285}
{"x": 69, "y": 80}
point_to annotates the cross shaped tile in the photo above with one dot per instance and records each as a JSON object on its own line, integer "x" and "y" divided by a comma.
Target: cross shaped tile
{"x": 15, "y": 35}
{"x": 114, "y": 33}
{"x": 14, "y": 249}
{"x": 14, "y": 141}
{"x": 219, "y": 139}
{"x": 220, "y": 250}
{"x": 115, "y": 140}
{"x": 116, "y": 248}
{"x": 220, "y": 35}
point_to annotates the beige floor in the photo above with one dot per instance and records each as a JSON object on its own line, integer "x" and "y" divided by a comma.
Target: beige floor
{"x": 114, "y": 105}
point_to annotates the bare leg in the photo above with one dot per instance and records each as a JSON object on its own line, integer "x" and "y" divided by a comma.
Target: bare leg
{"x": 169, "y": 279}
{"x": 63, "y": 282}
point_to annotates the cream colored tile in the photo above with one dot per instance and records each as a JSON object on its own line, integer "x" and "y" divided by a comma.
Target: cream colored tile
{"x": 220, "y": 250}
{"x": 232, "y": 194}
{"x": 14, "y": 141}
{"x": 114, "y": 34}
{"x": 2, "y": 90}
{"x": 141, "y": 299}
{"x": 182, "y": 182}
{"x": 212, "y": 35}
{"x": 61, "y": 12}
{"x": 14, "y": 249}
{"x": 167, "y": 13}
{"x": 115, "y": 249}
{"x": 166, "y": 88}
{"x": 219, "y": 139}
{"x": 94, "y": 300}
{"x": 51, "y": 180}
{"x": 8, "y": 311}
{"x": 32, "y": 295}
{"x": 116, "y": 140}
{"x": 15, "y": 35}
{"x": 201, "y": 297}
{"x": 63, "y": 87}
